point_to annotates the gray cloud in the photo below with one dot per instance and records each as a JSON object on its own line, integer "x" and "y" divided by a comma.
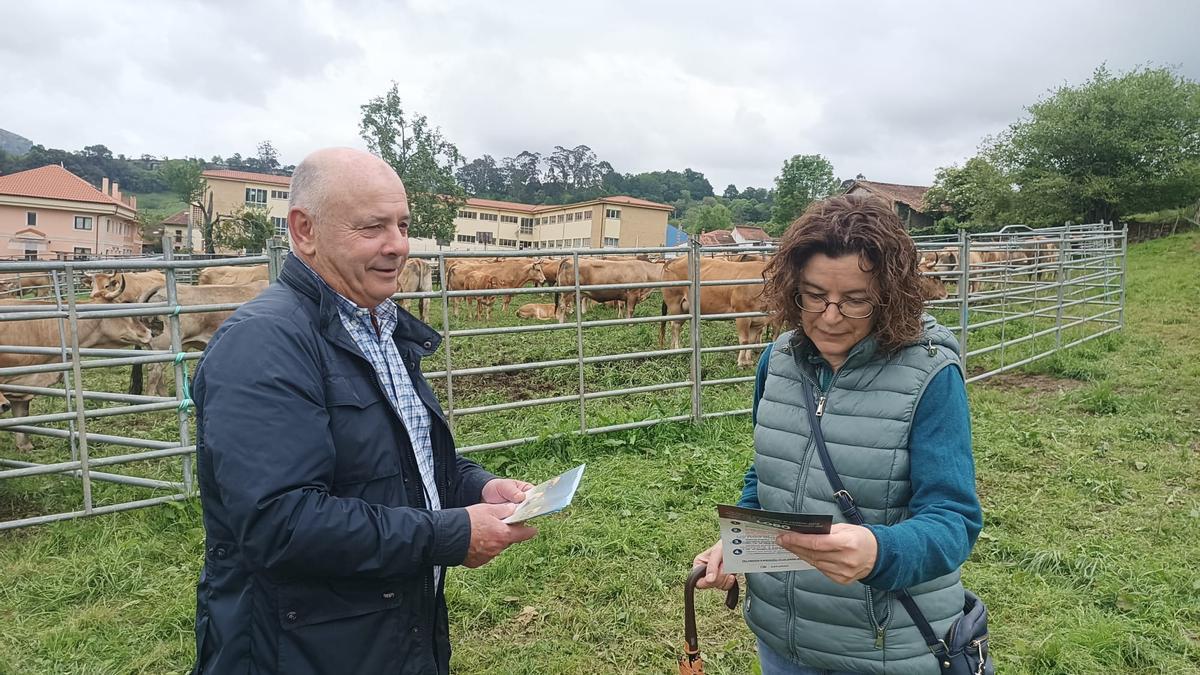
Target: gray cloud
{"x": 893, "y": 90}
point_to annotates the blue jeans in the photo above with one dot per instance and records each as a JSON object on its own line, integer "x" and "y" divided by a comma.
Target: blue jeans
{"x": 774, "y": 663}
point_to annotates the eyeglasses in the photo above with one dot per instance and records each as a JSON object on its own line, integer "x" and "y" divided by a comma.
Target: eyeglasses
{"x": 850, "y": 308}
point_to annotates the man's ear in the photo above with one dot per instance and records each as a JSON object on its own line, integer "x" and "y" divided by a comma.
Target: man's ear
{"x": 303, "y": 231}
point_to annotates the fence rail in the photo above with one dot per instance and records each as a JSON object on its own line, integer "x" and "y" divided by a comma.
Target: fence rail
{"x": 1010, "y": 298}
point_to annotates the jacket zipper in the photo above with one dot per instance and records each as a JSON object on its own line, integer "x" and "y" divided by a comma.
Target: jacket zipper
{"x": 880, "y": 629}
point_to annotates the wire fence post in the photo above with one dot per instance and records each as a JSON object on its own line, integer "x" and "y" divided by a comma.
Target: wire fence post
{"x": 182, "y": 393}
{"x": 1061, "y": 276}
{"x": 442, "y": 283}
{"x": 579, "y": 343}
{"x": 694, "y": 302}
{"x": 275, "y": 252}
{"x": 964, "y": 263}
{"x": 85, "y": 474}
{"x": 68, "y": 399}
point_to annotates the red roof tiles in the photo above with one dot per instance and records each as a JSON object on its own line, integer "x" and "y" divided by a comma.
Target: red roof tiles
{"x": 248, "y": 177}
{"x": 53, "y": 182}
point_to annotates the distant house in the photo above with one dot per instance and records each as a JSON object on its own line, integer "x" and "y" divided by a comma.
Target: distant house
{"x": 176, "y": 227}
{"x": 50, "y": 213}
{"x": 907, "y": 200}
{"x": 751, "y": 234}
{"x": 232, "y": 191}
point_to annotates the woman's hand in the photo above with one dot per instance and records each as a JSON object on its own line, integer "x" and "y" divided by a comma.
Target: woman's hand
{"x": 846, "y": 554}
{"x": 716, "y": 577}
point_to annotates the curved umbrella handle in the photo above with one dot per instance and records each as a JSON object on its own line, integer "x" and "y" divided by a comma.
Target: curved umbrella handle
{"x": 689, "y": 606}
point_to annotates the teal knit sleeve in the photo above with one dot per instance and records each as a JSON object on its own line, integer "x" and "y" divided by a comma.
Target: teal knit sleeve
{"x": 945, "y": 516}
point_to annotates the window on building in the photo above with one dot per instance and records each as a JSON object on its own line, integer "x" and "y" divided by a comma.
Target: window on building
{"x": 468, "y": 214}
{"x": 83, "y": 222}
{"x": 31, "y": 254}
{"x": 587, "y": 215}
{"x": 31, "y": 219}
{"x": 280, "y": 226}
{"x": 562, "y": 218}
{"x": 615, "y": 214}
{"x": 279, "y": 194}
{"x": 527, "y": 226}
{"x": 511, "y": 243}
{"x": 178, "y": 237}
{"x": 467, "y": 238}
{"x": 508, "y": 219}
{"x": 579, "y": 243}
{"x": 571, "y": 217}
{"x": 82, "y": 252}
{"x": 610, "y": 242}
{"x": 255, "y": 196}
{"x": 484, "y": 237}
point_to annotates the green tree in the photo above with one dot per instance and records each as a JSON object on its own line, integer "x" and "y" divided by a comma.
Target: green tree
{"x": 707, "y": 216}
{"x": 804, "y": 179}
{"x": 185, "y": 178}
{"x": 247, "y": 229}
{"x": 1117, "y": 144}
{"x": 423, "y": 159}
{"x": 977, "y": 192}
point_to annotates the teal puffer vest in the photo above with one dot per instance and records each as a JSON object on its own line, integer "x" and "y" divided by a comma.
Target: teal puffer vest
{"x": 868, "y": 412}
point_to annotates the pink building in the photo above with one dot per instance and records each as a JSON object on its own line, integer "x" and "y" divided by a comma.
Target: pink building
{"x": 50, "y": 213}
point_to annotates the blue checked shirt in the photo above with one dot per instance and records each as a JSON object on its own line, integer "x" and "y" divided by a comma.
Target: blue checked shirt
{"x": 380, "y": 350}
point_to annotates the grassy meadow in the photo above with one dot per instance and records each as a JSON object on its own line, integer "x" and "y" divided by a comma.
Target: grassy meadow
{"x": 1088, "y": 467}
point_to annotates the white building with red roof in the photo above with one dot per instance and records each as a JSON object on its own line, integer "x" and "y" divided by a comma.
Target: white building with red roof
{"x": 49, "y": 213}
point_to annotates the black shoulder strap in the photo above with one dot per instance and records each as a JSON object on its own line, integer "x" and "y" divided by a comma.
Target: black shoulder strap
{"x": 850, "y": 511}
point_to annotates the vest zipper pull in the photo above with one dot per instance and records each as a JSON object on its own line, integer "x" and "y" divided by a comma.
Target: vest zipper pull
{"x": 880, "y": 631}
{"x": 821, "y": 405}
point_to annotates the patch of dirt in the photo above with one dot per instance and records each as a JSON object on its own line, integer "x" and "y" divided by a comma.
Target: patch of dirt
{"x": 514, "y": 386}
{"x": 1041, "y": 384}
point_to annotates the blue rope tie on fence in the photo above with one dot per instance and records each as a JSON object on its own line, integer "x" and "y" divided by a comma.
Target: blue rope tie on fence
{"x": 177, "y": 308}
{"x": 186, "y": 404}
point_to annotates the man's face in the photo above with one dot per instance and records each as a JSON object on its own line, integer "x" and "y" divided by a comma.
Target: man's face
{"x": 361, "y": 241}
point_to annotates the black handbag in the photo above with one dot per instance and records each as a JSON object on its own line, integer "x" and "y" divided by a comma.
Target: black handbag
{"x": 964, "y": 650}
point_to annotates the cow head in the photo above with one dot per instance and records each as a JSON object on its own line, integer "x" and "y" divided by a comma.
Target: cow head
{"x": 535, "y": 273}
{"x": 932, "y": 288}
{"x": 108, "y": 287}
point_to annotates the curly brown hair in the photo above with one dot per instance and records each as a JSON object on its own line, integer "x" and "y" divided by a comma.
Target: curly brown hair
{"x": 852, "y": 225}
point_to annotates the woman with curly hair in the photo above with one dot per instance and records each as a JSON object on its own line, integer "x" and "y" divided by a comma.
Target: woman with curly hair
{"x": 887, "y": 390}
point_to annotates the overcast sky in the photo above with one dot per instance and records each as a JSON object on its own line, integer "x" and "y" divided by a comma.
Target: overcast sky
{"x": 892, "y": 90}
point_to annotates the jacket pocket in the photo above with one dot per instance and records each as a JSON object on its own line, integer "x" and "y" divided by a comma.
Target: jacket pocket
{"x": 340, "y": 627}
{"x": 360, "y": 421}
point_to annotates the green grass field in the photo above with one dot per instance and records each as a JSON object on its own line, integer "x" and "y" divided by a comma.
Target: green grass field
{"x": 1088, "y": 465}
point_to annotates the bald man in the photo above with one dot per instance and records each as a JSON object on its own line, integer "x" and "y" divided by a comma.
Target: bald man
{"x": 332, "y": 493}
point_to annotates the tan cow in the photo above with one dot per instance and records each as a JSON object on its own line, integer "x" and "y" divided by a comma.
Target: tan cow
{"x": 15, "y": 285}
{"x": 125, "y": 286}
{"x": 932, "y": 287}
{"x": 195, "y": 328}
{"x": 232, "y": 275}
{"x": 1043, "y": 257}
{"x": 416, "y": 277}
{"x": 105, "y": 333}
{"x": 718, "y": 299}
{"x": 550, "y": 270}
{"x": 948, "y": 261}
{"x": 481, "y": 280}
{"x": 536, "y": 310}
{"x": 4, "y": 404}
{"x": 598, "y": 272}
{"x": 508, "y": 273}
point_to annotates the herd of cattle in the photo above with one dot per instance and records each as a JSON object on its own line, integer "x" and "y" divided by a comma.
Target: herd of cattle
{"x": 237, "y": 284}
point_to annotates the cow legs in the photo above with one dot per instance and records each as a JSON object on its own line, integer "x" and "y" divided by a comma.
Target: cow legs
{"x": 20, "y": 408}
{"x": 423, "y": 306}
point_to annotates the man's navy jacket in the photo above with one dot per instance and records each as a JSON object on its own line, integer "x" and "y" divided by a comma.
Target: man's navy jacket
{"x": 319, "y": 555}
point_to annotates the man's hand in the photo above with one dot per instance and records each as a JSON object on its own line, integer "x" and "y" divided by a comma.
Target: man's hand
{"x": 846, "y": 554}
{"x": 505, "y": 491}
{"x": 716, "y": 576}
{"x": 490, "y": 535}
